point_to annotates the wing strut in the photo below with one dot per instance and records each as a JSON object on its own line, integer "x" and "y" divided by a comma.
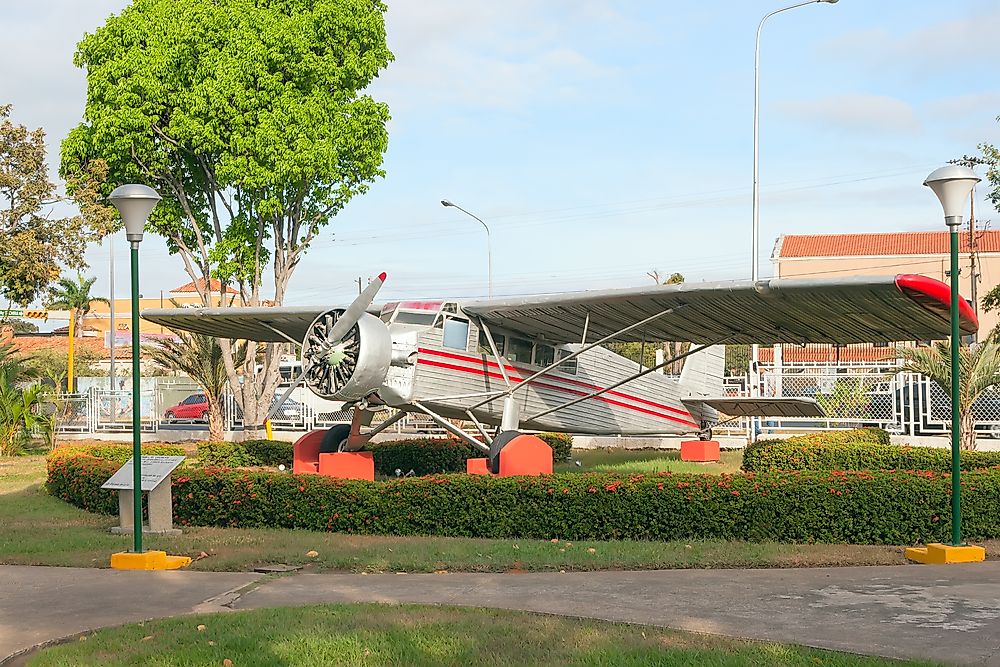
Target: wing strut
{"x": 559, "y": 362}
{"x": 595, "y": 394}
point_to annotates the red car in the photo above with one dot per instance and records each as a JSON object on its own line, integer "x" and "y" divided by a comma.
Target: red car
{"x": 194, "y": 406}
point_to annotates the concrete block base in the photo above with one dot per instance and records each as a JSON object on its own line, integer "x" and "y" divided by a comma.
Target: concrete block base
{"x": 146, "y": 530}
{"x": 348, "y": 465}
{"x": 939, "y": 554}
{"x": 703, "y": 451}
{"x": 148, "y": 560}
{"x": 477, "y": 466}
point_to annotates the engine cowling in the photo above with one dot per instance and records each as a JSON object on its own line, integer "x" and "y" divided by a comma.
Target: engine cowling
{"x": 353, "y": 367}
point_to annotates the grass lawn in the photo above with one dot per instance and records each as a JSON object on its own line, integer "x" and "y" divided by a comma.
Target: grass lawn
{"x": 646, "y": 461}
{"x": 370, "y": 635}
{"x": 37, "y": 529}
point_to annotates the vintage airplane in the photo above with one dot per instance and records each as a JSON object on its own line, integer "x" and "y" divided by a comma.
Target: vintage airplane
{"x": 538, "y": 363}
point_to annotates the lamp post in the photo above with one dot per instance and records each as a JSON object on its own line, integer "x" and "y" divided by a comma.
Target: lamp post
{"x": 755, "y": 232}
{"x": 489, "y": 251}
{"x": 952, "y": 185}
{"x": 135, "y": 203}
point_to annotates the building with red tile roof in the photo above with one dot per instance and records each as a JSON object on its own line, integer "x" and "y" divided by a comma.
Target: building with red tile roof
{"x": 892, "y": 253}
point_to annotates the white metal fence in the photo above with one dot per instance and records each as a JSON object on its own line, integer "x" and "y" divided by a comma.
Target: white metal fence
{"x": 852, "y": 396}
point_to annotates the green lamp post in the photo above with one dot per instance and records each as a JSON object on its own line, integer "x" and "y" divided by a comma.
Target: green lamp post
{"x": 952, "y": 185}
{"x": 135, "y": 203}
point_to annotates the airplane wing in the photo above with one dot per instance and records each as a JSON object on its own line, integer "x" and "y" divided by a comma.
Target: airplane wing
{"x": 840, "y": 310}
{"x": 762, "y": 407}
{"x": 239, "y": 323}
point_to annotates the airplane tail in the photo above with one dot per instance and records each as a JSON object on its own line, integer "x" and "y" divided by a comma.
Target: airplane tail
{"x": 703, "y": 373}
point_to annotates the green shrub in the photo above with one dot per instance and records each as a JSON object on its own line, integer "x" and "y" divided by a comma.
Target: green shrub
{"x": 116, "y": 453}
{"x": 863, "y": 449}
{"x": 423, "y": 456}
{"x": 888, "y": 507}
{"x": 249, "y": 453}
{"x": 561, "y": 444}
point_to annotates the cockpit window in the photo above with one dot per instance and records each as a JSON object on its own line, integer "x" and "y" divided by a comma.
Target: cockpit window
{"x": 456, "y": 333}
{"x": 406, "y": 317}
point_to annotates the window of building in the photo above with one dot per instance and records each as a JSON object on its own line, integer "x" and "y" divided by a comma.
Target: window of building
{"x": 456, "y": 333}
{"x": 544, "y": 355}
{"x": 518, "y": 350}
{"x": 567, "y": 366}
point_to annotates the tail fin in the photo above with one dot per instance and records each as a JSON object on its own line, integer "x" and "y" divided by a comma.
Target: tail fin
{"x": 703, "y": 373}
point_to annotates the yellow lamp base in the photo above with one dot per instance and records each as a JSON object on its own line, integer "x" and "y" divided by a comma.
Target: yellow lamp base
{"x": 148, "y": 560}
{"x": 939, "y": 554}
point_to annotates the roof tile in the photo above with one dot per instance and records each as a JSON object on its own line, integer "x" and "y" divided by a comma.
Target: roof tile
{"x": 891, "y": 243}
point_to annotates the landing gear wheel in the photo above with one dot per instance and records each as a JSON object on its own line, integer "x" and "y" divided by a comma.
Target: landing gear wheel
{"x": 335, "y": 439}
{"x": 170, "y": 416}
{"x": 705, "y": 434}
{"x": 498, "y": 444}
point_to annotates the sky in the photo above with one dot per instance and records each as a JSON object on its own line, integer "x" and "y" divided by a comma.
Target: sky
{"x": 600, "y": 140}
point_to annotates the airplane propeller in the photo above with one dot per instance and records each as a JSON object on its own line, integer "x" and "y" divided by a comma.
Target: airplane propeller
{"x": 333, "y": 349}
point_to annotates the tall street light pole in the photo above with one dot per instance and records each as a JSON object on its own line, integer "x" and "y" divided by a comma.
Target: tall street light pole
{"x": 489, "y": 250}
{"x": 755, "y": 240}
{"x": 135, "y": 203}
{"x": 952, "y": 185}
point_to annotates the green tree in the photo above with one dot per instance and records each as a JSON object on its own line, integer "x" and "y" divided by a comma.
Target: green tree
{"x": 76, "y": 298}
{"x": 18, "y": 325}
{"x": 33, "y": 243}
{"x": 200, "y": 357}
{"x": 978, "y": 368}
{"x": 249, "y": 118}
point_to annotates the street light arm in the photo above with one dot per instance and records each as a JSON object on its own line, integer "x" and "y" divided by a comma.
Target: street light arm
{"x": 489, "y": 241}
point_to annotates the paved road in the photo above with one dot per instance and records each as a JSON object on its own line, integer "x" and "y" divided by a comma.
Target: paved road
{"x": 948, "y": 613}
{"x": 39, "y": 604}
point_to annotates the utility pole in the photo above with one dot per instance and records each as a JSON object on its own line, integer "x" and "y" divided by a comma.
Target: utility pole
{"x": 974, "y": 275}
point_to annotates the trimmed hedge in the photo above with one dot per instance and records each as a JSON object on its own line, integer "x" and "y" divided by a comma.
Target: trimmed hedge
{"x": 115, "y": 453}
{"x": 561, "y": 444}
{"x": 246, "y": 454}
{"x": 862, "y": 449}
{"x": 424, "y": 456}
{"x": 889, "y": 507}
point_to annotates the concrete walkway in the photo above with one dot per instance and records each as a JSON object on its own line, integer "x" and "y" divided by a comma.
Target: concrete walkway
{"x": 946, "y": 613}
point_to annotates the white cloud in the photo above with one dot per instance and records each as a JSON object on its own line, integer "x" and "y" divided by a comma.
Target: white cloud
{"x": 487, "y": 55}
{"x": 857, "y": 113}
{"x": 934, "y": 49}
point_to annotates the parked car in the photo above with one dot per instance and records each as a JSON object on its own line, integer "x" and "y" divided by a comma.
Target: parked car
{"x": 193, "y": 407}
{"x": 290, "y": 411}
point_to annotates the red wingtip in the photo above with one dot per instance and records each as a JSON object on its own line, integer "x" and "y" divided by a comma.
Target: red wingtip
{"x": 935, "y": 296}
{"x": 381, "y": 276}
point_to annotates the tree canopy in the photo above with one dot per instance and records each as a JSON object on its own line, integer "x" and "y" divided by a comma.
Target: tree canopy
{"x": 249, "y": 118}
{"x": 33, "y": 243}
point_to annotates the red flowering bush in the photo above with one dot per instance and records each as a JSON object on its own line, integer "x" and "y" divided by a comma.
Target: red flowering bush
{"x": 887, "y": 507}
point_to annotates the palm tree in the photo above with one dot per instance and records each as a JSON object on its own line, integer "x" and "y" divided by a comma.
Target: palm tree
{"x": 979, "y": 366}
{"x": 75, "y": 297}
{"x": 200, "y": 358}
{"x": 20, "y": 409}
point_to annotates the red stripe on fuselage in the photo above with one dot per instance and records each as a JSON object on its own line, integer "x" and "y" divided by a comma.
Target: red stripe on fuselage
{"x": 578, "y": 383}
{"x": 545, "y": 385}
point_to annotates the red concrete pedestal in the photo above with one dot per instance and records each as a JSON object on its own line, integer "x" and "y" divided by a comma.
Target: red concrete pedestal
{"x": 348, "y": 465}
{"x": 305, "y": 452}
{"x": 700, "y": 451}
{"x": 526, "y": 455}
{"x": 477, "y": 466}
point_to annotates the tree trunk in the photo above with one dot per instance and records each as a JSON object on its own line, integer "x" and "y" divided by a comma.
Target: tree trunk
{"x": 967, "y": 424}
{"x": 216, "y": 432}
